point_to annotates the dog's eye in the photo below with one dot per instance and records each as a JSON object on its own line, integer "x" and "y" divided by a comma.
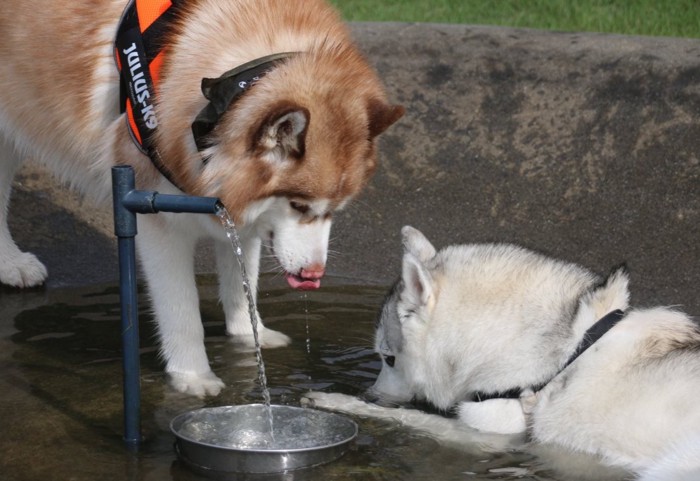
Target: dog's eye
{"x": 301, "y": 208}
{"x": 390, "y": 360}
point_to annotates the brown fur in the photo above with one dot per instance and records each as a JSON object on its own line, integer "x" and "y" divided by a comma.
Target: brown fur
{"x": 48, "y": 66}
{"x": 330, "y": 80}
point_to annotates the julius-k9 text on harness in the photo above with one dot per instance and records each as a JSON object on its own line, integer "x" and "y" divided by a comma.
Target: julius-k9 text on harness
{"x": 139, "y": 57}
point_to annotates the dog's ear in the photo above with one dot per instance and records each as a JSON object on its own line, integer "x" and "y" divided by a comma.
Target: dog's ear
{"x": 282, "y": 133}
{"x": 382, "y": 116}
{"x": 418, "y": 283}
{"x": 613, "y": 293}
{"x": 417, "y": 244}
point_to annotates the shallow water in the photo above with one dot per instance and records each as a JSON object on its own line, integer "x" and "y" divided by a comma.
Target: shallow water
{"x": 61, "y": 397}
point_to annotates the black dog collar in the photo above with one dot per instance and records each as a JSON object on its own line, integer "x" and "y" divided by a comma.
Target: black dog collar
{"x": 595, "y": 332}
{"x": 223, "y": 91}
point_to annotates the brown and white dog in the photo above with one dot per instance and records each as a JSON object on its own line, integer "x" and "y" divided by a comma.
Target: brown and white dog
{"x": 291, "y": 150}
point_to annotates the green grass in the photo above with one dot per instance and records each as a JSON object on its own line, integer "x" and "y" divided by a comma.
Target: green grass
{"x": 672, "y": 18}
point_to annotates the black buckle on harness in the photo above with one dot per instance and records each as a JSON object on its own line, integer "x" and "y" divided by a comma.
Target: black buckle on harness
{"x": 135, "y": 50}
{"x": 226, "y": 89}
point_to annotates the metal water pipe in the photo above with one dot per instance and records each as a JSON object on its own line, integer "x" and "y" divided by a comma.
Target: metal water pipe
{"x": 127, "y": 202}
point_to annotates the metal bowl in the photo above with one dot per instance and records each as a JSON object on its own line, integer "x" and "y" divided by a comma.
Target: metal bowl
{"x": 236, "y": 439}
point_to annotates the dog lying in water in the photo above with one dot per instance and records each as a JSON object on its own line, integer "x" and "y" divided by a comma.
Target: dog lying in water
{"x": 515, "y": 342}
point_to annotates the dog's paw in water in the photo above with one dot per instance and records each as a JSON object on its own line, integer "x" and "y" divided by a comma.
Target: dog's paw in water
{"x": 268, "y": 338}
{"x": 21, "y": 269}
{"x": 337, "y": 402}
{"x": 240, "y": 329}
{"x": 196, "y": 384}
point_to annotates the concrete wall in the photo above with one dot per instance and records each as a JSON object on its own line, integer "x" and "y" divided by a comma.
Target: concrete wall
{"x": 582, "y": 146}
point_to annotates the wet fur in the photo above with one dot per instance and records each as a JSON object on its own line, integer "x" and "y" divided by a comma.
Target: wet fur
{"x": 298, "y": 146}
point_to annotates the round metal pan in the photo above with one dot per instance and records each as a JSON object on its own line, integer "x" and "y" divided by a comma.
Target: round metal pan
{"x": 236, "y": 439}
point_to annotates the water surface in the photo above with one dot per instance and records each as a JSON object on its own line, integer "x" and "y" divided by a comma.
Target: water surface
{"x": 61, "y": 393}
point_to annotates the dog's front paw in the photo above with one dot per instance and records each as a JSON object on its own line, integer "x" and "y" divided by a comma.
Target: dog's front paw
{"x": 267, "y": 337}
{"x": 331, "y": 401}
{"x": 270, "y": 338}
{"x": 22, "y": 270}
{"x": 196, "y": 384}
{"x": 500, "y": 416}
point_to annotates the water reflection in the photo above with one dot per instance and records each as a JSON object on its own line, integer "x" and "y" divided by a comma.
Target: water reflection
{"x": 61, "y": 398}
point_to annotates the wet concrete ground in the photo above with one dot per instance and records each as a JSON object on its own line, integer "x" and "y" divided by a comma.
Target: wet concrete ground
{"x": 586, "y": 147}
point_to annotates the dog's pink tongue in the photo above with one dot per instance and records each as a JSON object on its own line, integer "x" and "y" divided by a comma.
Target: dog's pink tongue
{"x": 298, "y": 282}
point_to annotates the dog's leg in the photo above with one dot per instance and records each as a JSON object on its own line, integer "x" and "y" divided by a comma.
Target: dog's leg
{"x": 17, "y": 268}
{"x": 502, "y": 416}
{"x": 448, "y": 431}
{"x": 232, "y": 293}
{"x": 167, "y": 258}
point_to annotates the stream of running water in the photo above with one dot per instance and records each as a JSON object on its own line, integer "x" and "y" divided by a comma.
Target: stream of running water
{"x": 230, "y": 227}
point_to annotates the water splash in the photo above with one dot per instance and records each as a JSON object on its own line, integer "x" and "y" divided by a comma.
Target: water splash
{"x": 232, "y": 233}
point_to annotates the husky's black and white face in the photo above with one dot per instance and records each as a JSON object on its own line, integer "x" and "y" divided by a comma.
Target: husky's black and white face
{"x": 401, "y": 325}
{"x": 392, "y": 386}
{"x": 482, "y": 318}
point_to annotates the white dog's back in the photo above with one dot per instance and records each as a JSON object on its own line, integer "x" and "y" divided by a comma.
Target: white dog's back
{"x": 501, "y": 333}
{"x": 631, "y": 397}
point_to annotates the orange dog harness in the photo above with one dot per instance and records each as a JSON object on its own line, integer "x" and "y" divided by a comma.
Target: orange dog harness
{"x": 139, "y": 57}
{"x": 139, "y": 53}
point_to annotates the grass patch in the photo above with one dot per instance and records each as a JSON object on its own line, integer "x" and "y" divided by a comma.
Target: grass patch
{"x": 672, "y": 18}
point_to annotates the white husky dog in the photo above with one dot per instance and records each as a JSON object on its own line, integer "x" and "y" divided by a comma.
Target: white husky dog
{"x": 511, "y": 339}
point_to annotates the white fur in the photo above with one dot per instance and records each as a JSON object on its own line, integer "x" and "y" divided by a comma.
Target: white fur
{"x": 628, "y": 398}
{"x": 501, "y": 416}
{"x": 680, "y": 462}
{"x": 17, "y": 268}
{"x": 490, "y": 318}
{"x": 449, "y": 431}
{"x": 475, "y": 301}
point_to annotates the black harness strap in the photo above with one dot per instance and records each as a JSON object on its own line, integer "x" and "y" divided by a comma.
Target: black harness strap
{"x": 226, "y": 89}
{"x": 595, "y": 332}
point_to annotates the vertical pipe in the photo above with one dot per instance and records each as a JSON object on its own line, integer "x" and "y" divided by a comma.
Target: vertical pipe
{"x": 125, "y": 229}
{"x": 127, "y": 202}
